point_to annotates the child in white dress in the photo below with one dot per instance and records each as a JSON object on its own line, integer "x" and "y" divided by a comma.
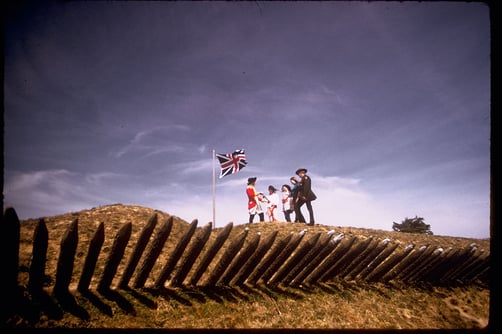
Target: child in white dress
{"x": 272, "y": 204}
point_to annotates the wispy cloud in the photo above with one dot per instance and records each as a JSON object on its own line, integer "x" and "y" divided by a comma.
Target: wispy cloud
{"x": 154, "y": 141}
{"x": 26, "y": 181}
{"x": 50, "y": 192}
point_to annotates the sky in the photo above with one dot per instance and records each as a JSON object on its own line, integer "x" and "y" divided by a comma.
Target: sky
{"x": 387, "y": 104}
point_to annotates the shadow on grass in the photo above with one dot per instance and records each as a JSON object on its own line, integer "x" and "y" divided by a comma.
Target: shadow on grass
{"x": 30, "y": 307}
{"x": 168, "y": 294}
{"x": 97, "y": 302}
{"x": 196, "y": 294}
{"x": 142, "y": 298}
{"x": 27, "y": 307}
{"x": 116, "y": 297}
{"x": 274, "y": 291}
{"x": 46, "y": 304}
{"x": 212, "y": 293}
{"x": 221, "y": 294}
{"x": 69, "y": 304}
{"x": 335, "y": 287}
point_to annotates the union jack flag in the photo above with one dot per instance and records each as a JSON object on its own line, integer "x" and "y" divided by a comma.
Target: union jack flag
{"x": 232, "y": 162}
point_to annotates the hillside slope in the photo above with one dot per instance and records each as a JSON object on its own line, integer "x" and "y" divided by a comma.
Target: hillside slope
{"x": 336, "y": 304}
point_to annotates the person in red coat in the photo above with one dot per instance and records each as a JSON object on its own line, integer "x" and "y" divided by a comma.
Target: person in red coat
{"x": 254, "y": 200}
{"x": 305, "y": 196}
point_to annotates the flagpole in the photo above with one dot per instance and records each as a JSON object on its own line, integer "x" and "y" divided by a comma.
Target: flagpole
{"x": 214, "y": 189}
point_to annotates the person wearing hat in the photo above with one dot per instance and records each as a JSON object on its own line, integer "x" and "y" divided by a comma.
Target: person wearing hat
{"x": 305, "y": 196}
{"x": 272, "y": 204}
{"x": 254, "y": 199}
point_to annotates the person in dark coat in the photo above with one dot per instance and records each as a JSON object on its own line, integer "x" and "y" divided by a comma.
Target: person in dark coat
{"x": 305, "y": 196}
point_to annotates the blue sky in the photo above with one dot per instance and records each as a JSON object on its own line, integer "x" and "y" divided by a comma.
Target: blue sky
{"x": 387, "y": 104}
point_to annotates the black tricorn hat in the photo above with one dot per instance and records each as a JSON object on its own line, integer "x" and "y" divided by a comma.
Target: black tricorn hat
{"x": 251, "y": 180}
{"x": 301, "y": 170}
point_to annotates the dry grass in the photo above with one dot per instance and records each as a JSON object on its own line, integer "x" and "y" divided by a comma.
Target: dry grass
{"x": 335, "y": 305}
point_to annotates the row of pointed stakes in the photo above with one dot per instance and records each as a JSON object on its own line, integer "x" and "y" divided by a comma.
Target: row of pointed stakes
{"x": 273, "y": 261}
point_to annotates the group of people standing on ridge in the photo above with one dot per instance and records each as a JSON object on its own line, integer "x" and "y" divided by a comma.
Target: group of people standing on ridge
{"x": 292, "y": 199}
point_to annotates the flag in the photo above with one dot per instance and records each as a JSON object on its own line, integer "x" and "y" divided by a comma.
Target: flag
{"x": 232, "y": 162}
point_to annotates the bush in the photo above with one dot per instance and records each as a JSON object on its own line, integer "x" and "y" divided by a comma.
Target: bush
{"x": 412, "y": 225}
